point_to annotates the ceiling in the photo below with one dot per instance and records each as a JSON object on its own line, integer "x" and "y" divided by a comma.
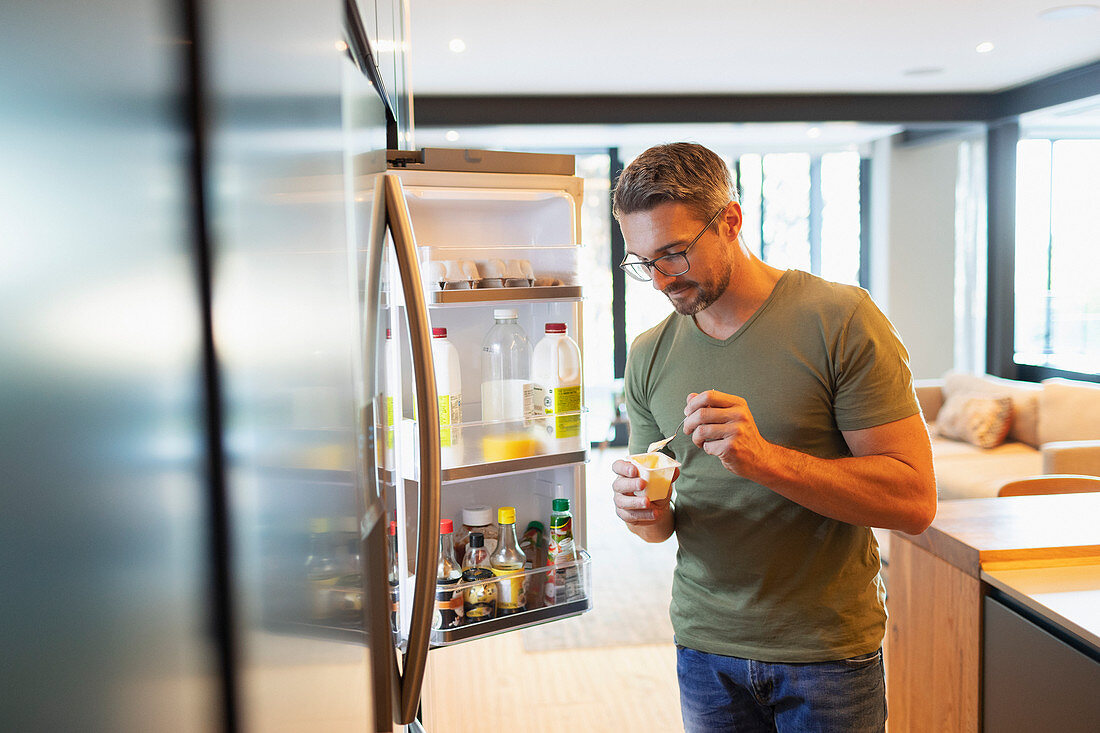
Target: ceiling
{"x": 738, "y": 47}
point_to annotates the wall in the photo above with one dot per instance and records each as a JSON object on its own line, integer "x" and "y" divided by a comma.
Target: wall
{"x": 913, "y": 248}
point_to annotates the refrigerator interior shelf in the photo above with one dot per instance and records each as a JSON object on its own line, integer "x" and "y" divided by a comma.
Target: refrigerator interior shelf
{"x": 514, "y": 465}
{"x": 494, "y": 295}
{"x": 498, "y": 468}
{"x": 534, "y": 581}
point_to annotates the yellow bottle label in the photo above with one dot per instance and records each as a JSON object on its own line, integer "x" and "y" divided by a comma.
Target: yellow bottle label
{"x": 389, "y": 423}
{"x": 565, "y": 399}
{"x": 511, "y": 597}
{"x": 450, "y": 413}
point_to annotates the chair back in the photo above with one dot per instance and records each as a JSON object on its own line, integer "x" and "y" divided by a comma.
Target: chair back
{"x": 1059, "y": 483}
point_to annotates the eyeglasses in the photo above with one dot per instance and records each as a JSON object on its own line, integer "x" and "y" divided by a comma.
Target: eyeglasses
{"x": 670, "y": 265}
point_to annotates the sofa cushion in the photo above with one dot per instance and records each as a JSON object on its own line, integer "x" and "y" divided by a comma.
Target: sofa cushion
{"x": 964, "y": 471}
{"x": 1069, "y": 410}
{"x": 1025, "y": 400}
{"x": 977, "y": 419}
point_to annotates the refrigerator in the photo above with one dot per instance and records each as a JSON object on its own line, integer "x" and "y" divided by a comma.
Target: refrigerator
{"x": 205, "y": 240}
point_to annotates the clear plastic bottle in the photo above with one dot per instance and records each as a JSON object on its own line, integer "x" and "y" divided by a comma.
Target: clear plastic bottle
{"x": 506, "y": 369}
{"x": 448, "y": 603}
{"x": 507, "y": 561}
{"x": 479, "y": 601}
{"x": 562, "y": 584}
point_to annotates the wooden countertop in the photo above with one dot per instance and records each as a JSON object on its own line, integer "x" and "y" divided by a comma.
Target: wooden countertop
{"x": 1068, "y": 597}
{"x": 1017, "y": 531}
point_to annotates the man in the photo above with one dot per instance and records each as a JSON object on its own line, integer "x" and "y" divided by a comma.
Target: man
{"x": 804, "y": 432}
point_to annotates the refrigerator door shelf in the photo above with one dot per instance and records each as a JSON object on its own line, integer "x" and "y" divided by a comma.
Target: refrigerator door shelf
{"x": 499, "y": 468}
{"x": 479, "y": 267}
{"x": 537, "y": 613}
{"x": 473, "y": 449}
{"x": 504, "y": 295}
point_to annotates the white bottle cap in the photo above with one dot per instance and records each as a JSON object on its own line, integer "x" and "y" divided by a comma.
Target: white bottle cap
{"x": 477, "y": 516}
{"x": 499, "y": 313}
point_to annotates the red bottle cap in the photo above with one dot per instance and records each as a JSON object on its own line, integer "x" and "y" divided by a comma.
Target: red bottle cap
{"x": 389, "y": 334}
{"x": 555, "y": 328}
{"x": 446, "y": 526}
{"x": 393, "y": 528}
{"x": 439, "y": 333}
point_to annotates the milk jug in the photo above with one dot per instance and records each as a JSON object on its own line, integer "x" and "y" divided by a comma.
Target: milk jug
{"x": 556, "y": 374}
{"x": 448, "y": 385}
{"x": 505, "y": 363}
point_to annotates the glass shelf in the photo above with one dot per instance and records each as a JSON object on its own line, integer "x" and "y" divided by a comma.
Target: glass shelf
{"x": 536, "y": 613}
{"x": 478, "y": 449}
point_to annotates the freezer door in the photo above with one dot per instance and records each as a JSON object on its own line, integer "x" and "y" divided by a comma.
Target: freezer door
{"x": 106, "y": 614}
{"x": 283, "y": 103}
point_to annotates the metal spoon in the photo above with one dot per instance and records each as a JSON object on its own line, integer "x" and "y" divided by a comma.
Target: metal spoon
{"x": 658, "y": 445}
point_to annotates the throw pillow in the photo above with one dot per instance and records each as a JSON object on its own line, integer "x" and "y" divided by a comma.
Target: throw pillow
{"x": 1025, "y": 400}
{"x": 976, "y": 418}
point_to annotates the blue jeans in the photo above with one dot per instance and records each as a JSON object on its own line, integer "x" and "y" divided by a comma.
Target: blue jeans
{"x": 719, "y": 693}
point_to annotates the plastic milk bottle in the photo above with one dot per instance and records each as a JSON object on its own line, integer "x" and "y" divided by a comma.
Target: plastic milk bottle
{"x": 448, "y": 384}
{"x": 556, "y": 373}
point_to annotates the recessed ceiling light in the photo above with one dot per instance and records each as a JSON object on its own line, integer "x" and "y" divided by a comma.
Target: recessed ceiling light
{"x": 813, "y": 133}
{"x": 451, "y": 135}
{"x": 341, "y": 46}
{"x": 923, "y": 71}
{"x": 984, "y": 47}
{"x": 457, "y": 45}
{"x": 1068, "y": 12}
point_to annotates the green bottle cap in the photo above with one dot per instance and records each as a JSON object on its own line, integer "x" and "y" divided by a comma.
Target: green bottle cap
{"x": 536, "y": 524}
{"x": 561, "y": 505}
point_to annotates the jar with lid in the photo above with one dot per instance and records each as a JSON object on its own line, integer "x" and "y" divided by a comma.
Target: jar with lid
{"x": 476, "y": 519}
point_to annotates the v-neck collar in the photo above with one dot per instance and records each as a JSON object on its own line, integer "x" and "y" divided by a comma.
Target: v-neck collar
{"x": 780, "y": 284}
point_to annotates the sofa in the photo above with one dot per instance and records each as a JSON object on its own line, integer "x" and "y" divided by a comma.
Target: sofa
{"x": 987, "y": 431}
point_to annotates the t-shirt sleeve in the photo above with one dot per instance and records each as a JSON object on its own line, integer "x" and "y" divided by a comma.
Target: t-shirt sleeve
{"x": 643, "y": 428}
{"x": 874, "y": 385}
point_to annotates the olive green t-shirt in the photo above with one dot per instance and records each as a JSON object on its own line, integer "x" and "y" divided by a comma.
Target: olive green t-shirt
{"x": 757, "y": 575}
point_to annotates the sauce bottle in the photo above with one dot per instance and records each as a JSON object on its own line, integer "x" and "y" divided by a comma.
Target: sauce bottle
{"x": 479, "y": 602}
{"x": 507, "y": 562}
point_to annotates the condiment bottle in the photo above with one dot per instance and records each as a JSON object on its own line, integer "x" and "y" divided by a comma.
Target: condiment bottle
{"x": 476, "y": 519}
{"x": 479, "y": 601}
{"x": 562, "y": 583}
{"x": 507, "y": 561}
{"x": 448, "y": 603}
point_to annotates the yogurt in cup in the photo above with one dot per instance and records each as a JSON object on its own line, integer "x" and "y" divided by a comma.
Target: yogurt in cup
{"x": 657, "y": 469}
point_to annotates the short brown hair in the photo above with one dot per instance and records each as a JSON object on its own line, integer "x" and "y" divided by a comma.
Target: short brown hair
{"x": 686, "y": 173}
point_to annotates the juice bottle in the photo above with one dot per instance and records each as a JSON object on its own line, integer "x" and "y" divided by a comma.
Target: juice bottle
{"x": 507, "y": 562}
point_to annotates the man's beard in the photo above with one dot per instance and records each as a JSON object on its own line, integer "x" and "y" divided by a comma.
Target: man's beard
{"x": 706, "y": 293}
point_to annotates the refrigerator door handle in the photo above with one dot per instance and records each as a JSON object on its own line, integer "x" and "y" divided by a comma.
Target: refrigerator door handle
{"x": 427, "y": 555}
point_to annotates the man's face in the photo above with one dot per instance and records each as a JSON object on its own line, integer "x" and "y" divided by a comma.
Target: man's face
{"x": 669, "y": 228}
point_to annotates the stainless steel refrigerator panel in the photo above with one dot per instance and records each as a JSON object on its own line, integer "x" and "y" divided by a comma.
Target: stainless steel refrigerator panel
{"x": 289, "y": 346}
{"x": 105, "y": 614}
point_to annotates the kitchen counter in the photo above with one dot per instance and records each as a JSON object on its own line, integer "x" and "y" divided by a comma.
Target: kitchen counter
{"x": 1067, "y": 597}
{"x": 1035, "y": 554}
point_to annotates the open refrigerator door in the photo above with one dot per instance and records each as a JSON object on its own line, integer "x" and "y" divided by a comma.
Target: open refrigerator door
{"x": 495, "y": 239}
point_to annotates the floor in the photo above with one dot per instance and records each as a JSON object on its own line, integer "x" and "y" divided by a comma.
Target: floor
{"x": 496, "y": 684}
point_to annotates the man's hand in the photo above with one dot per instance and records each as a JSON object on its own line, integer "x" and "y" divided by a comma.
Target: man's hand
{"x": 722, "y": 426}
{"x": 650, "y": 520}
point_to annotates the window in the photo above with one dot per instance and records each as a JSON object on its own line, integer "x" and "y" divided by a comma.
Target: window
{"x": 1057, "y": 255}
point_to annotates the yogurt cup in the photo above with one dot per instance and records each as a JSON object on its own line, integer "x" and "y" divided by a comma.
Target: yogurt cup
{"x": 657, "y": 469}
